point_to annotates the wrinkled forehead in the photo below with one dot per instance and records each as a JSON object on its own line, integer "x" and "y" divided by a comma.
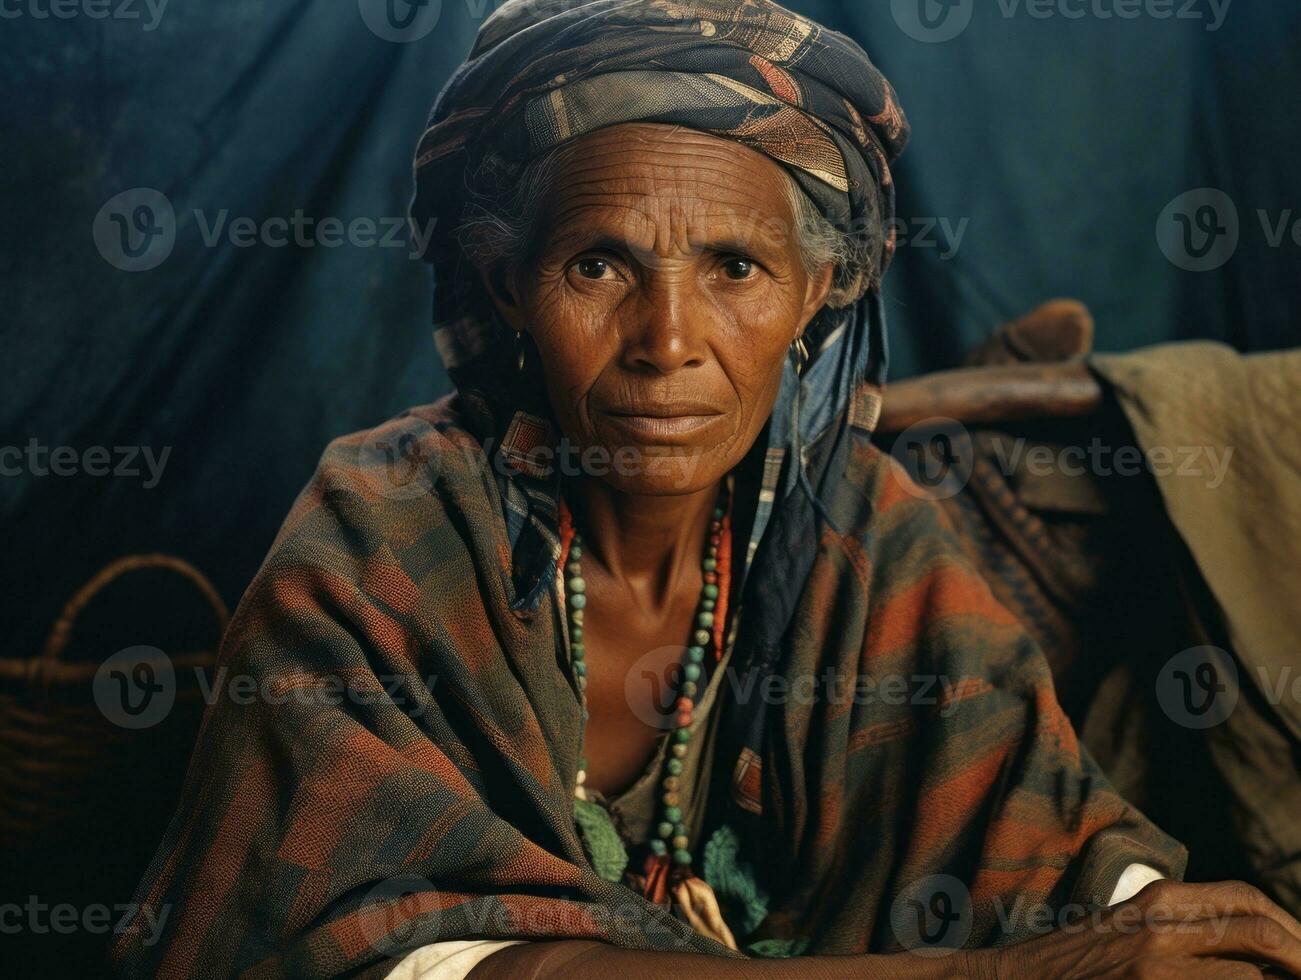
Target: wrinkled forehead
{"x": 638, "y": 182}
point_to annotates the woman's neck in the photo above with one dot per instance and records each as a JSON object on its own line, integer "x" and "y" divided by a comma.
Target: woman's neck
{"x": 648, "y": 543}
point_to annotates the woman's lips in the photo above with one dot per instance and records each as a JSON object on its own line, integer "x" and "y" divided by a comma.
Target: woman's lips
{"x": 665, "y": 428}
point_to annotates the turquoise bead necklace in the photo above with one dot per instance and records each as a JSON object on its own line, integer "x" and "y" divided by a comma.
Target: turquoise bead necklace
{"x": 670, "y": 833}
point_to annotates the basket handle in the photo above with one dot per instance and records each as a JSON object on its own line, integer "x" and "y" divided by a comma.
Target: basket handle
{"x": 61, "y": 632}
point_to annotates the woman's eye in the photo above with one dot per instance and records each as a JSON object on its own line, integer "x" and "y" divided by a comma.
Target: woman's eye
{"x": 593, "y": 268}
{"x": 738, "y": 269}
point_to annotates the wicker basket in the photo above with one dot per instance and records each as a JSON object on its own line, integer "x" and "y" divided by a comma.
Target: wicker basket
{"x": 61, "y": 756}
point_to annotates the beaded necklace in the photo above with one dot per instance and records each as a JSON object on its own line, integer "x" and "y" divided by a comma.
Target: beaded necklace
{"x": 669, "y": 845}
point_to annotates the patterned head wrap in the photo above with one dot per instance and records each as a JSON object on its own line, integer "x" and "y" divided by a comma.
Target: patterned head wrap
{"x": 545, "y": 72}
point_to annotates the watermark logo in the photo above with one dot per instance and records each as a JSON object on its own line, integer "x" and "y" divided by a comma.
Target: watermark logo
{"x": 932, "y": 21}
{"x": 398, "y": 461}
{"x": 135, "y": 231}
{"x": 932, "y": 916}
{"x": 651, "y": 684}
{"x": 400, "y": 21}
{"x": 1199, "y": 230}
{"x": 396, "y": 912}
{"x": 1198, "y": 688}
{"x": 938, "y": 456}
{"x": 136, "y": 687}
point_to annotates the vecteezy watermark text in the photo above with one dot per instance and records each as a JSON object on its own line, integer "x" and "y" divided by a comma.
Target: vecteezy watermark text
{"x": 148, "y": 12}
{"x": 402, "y": 913}
{"x": 137, "y": 230}
{"x": 402, "y": 459}
{"x": 651, "y": 687}
{"x": 136, "y": 688}
{"x": 937, "y": 21}
{"x": 938, "y": 455}
{"x": 64, "y": 919}
{"x": 38, "y": 459}
{"x": 1210, "y": 463}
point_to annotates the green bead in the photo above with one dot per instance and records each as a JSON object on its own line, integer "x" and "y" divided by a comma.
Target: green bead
{"x": 576, "y": 634}
{"x": 658, "y": 848}
{"x": 582, "y": 764}
{"x": 709, "y": 564}
{"x": 672, "y": 813}
{"x": 578, "y": 650}
{"x": 710, "y": 591}
{"x": 679, "y": 828}
{"x": 705, "y": 619}
{"x": 682, "y": 857}
{"x": 691, "y": 671}
{"x": 580, "y": 668}
{"x": 701, "y": 637}
{"x": 577, "y": 584}
{"x": 575, "y": 551}
{"x": 719, "y": 513}
{"x": 577, "y": 601}
{"x": 675, "y": 767}
{"x": 695, "y": 654}
{"x": 681, "y": 736}
{"x": 708, "y": 604}
{"x": 665, "y": 830}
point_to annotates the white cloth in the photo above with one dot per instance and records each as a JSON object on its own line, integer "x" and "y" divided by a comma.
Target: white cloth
{"x": 1133, "y": 880}
{"x": 451, "y": 960}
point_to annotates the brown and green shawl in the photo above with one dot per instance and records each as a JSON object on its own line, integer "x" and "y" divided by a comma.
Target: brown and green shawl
{"x": 403, "y": 771}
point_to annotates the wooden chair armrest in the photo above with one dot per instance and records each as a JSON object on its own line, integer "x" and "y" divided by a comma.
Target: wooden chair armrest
{"x": 992, "y": 395}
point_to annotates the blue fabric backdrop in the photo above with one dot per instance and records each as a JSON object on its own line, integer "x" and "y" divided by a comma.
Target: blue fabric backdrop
{"x": 1046, "y": 147}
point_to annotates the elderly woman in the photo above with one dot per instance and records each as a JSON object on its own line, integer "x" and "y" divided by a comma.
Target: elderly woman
{"x": 634, "y": 655}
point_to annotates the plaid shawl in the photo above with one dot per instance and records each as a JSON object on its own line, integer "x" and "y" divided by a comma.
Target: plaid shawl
{"x": 403, "y": 771}
{"x": 407, "y": 773}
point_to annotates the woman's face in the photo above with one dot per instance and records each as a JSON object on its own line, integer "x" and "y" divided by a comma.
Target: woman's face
{"x": 665, "y": 289}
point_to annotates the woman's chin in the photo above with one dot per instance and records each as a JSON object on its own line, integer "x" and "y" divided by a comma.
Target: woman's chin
{"x": 650, "y": 469}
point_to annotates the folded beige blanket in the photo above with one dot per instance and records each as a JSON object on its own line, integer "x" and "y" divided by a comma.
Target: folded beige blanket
{"x": 1230, "y": 426}
{"x": 1222, "y": 435}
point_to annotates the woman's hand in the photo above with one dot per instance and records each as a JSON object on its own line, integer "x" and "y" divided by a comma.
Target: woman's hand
{"x": 1169, "y": 929}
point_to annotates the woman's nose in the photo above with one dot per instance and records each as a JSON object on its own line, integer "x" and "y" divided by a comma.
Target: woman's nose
{"x": 672, "y": 329}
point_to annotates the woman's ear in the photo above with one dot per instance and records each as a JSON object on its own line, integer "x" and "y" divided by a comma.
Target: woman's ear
{"x": 816, "y": 293}
{"x": 499, "y": 282}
